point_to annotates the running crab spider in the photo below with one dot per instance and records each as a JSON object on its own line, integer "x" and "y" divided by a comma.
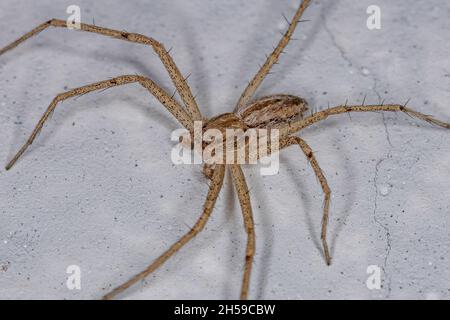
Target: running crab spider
{"x": 284, "y": 112}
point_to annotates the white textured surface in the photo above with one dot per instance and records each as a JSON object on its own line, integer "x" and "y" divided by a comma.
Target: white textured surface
{"x": 98, "y": 189}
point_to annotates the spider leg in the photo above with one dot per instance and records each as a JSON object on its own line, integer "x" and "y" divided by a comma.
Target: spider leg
{"x": 208, "y": 170}
{"x": 323, "y": 183}
{"x": 272, "y": 59}
{"x": 174, "y": 73}
{"x": 214, "y": 189}
{"x": 296, "y": 126}
{"x": 177, "y": 111}
{"x": 244, "y": 200}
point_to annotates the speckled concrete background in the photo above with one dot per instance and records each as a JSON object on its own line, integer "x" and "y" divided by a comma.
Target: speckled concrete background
{"x": 98, "y": 189}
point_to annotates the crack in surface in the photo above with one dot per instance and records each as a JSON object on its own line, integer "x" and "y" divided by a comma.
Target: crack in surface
{"x": 376, "y": 219}
{"x": 375, "y": 216}
{"x": 335, "y": 43}
{"x": 383, "y": 226}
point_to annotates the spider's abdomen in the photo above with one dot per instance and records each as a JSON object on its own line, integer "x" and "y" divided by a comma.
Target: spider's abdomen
{"x": 272, "y": 111}
{"x": 225, "y": 121}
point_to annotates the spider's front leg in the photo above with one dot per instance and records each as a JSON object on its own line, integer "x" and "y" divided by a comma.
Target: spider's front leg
{"x": 323, "y": 183}
{"x": 177, "y": 78}
{"x": 273, "y": 58}
{"x": 171, "y": 105}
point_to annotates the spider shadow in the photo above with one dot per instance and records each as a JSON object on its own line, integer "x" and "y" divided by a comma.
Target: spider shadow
{"x": 19, "y": 108}
{"x": 267, "y": 238}
{"x": 340, "y": 220}
{"x": 120, "y": 58}
{"x": 18, "y": 130}
{"x": 230, "y": 207}
{"x": 306, "y": 203}
{"x": 203, "y": 81}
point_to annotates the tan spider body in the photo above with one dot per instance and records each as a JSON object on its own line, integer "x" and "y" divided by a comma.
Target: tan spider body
{"x": 283, "y": 112}
{"x": 271, "y": 112}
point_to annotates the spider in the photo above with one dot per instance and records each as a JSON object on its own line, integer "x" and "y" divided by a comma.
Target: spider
{"x": 284, "y": 112}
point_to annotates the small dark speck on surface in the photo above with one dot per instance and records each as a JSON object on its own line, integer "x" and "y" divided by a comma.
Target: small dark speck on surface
{"x": 5, "y": 267}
